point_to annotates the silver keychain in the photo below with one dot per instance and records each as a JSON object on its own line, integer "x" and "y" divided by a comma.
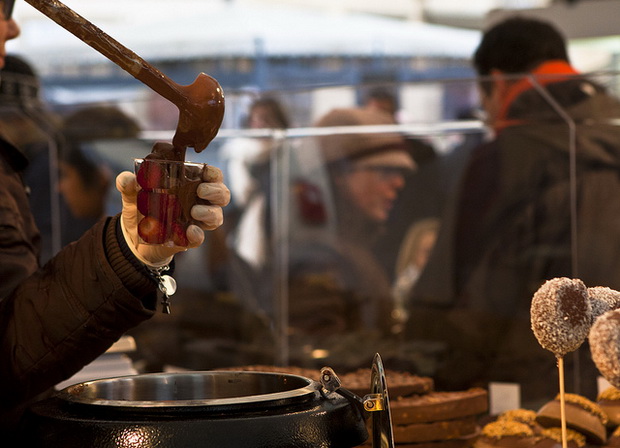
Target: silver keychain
{"x": 167, "y": 285}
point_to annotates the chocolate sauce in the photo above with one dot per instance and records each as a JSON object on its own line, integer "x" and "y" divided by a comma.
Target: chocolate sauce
{"x": 166, "y": 151}
{"x": 200, "y": 119}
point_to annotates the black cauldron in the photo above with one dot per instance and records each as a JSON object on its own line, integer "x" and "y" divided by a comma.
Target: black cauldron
{"x": 208, "y": 409}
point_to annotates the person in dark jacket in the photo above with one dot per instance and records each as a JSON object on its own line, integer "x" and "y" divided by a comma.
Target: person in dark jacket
{"x": 29, "y": 124}
{"x": 56, "y": 318}
{"x": 540, "y": 200}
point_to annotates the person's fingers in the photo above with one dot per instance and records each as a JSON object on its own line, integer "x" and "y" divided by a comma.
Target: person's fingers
{"x": 215, "y": 193}
{"x": 210, "y": 216}
{"x": 212, "y": 174}
{"x": 195, "y": 236}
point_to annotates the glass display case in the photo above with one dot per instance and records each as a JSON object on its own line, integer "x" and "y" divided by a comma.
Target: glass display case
{"x": 440, "y": 283}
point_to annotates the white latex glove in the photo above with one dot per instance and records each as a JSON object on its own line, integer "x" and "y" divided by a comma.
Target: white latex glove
{"x": 210, "y": 217}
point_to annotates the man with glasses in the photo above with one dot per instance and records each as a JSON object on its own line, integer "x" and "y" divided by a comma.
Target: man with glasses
{"x": 57, "y": 318}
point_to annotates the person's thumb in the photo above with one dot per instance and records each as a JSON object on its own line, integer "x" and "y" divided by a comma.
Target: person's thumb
{"x": 128, "y": 187}
{"x": 126, "y": 183}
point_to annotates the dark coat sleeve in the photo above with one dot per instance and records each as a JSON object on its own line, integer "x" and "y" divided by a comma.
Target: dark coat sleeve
{"x": 62, "y": 317}
{"x": 19, "y": 237}
{"x": 57, "y": 318}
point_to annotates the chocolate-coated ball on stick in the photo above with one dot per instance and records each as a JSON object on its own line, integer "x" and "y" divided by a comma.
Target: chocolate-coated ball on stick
{"x": 561, "y": 315}
{"x": 605, "y": 346}
{"x": 603, "y": 299}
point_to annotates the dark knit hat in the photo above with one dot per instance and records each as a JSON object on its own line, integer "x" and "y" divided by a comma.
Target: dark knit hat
{"x": 19, "y": 83}
{"x": 377, "y": 149}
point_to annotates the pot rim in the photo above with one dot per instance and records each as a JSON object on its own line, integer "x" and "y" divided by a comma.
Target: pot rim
{"x": 109, "y": 391}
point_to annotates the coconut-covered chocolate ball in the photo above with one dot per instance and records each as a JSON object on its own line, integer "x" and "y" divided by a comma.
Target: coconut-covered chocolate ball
{"x": 605, "y": 346}
{"x": 561, "y": 315}
{"x": 603, "y": 299}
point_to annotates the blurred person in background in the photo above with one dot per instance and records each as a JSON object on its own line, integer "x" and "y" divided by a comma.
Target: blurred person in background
{"x": 340, "y": 298}
{"x": 85, "y": 176}
{"x": 56, "y": 318}
{"x": 244, "y": 157}
{"x": 415, "y": 249}
{"x": 248, "y": 163}
{"x": 83, "y": 184}
{"x": 28, "y": 123}
{"x": 512, "y": 225}
{"x": 382, "y": 100}
{"x": 267, "y": 113}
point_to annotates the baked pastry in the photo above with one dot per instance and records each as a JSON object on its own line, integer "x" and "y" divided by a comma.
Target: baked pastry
{"x": 526, "y": 416}
{"x": 561, "y": 315}
{"x": 399, "y": 384}
{"x": 552, "y": 438}
{"x": 609, "y": 402}
{"x": 435, "y": 431}
{"x": 505, "y": 433}
{"x": 438, "y": 406}
{"x": 582, "y": 415}
{"x": 614, "y": 439}
{"x": 437, "y": 419}
{"x": 462, "y": 442}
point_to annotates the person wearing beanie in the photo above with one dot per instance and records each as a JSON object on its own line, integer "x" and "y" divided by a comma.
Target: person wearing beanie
{"x": 29, "y": 124}
{"x": 339, "y": 292}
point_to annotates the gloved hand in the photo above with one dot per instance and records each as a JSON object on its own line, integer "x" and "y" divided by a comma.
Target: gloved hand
{"x": 210, "y": 217}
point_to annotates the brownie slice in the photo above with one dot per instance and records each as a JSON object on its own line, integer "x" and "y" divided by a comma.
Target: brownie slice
{"x": 399, "y": 384}
{"x": 437, "y": 406}
{"x": 435, "y": 431}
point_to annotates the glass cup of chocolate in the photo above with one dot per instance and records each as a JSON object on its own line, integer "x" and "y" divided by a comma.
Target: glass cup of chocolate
{"x": 166, "y": 194}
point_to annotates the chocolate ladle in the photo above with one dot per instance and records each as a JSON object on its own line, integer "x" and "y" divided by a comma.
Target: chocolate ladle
{"x": 201, "y": 104}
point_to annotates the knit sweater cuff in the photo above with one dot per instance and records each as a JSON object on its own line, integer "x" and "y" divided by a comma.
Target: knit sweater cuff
{"x": 133, "y": 274}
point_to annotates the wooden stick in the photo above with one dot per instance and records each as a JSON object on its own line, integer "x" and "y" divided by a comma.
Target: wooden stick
{"x": 562, "y": 401}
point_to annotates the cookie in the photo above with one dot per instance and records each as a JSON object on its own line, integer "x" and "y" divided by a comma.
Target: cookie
{"x": 582, "y": 415}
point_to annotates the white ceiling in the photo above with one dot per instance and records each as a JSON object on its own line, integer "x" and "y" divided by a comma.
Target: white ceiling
{"x": 212, "y": 28}
{"x": 186, "y": 28}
